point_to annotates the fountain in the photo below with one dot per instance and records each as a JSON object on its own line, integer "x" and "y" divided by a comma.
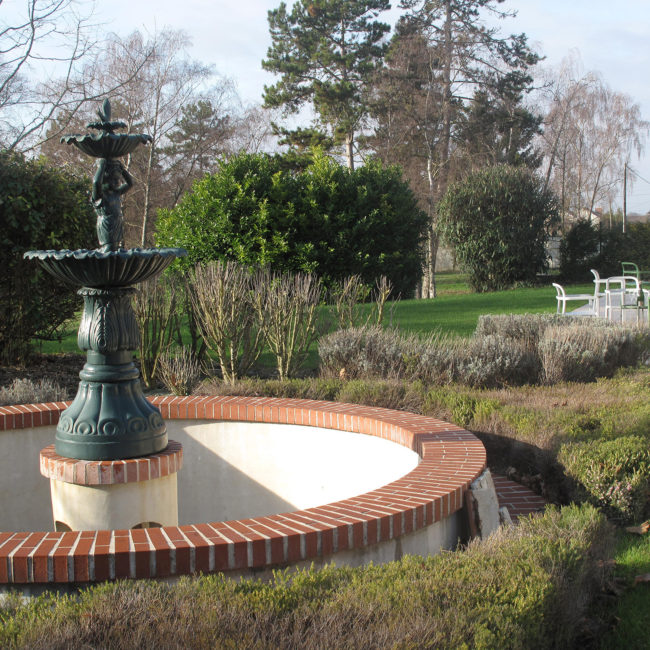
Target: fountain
{"x": 109, "y": 418}
{"x": 299, "y": 482}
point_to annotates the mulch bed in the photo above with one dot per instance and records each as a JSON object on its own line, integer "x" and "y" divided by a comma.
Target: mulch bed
{"x": 61, "y": 369}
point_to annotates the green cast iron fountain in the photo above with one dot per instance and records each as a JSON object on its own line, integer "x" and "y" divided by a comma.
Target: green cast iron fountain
{"x": 110, "y": 418}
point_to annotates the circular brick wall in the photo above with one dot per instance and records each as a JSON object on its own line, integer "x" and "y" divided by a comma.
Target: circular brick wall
{"x": 451, "y": 459}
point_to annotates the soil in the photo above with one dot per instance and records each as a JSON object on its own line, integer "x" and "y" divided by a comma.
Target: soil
{"x": 61, "y": 369}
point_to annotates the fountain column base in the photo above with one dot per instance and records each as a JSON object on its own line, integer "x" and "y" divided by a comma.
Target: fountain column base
{"x": 110, "y": 495}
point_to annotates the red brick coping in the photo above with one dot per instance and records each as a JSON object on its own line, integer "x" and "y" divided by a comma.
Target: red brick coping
{"x": 109, "y": 472}
{"x": 451, "y": 459}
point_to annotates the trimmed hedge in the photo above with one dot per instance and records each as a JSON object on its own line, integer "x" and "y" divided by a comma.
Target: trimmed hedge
{"x": 324, "y": 219}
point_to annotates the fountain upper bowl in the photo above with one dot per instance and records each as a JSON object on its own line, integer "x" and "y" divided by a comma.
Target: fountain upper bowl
{"x": 106, "y": 145}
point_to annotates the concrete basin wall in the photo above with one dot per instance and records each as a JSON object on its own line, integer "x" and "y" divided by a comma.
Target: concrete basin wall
{"x": 415, "y": 512}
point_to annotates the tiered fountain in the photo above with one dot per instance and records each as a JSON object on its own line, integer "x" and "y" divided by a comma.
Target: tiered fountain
{"x": 298, "y": 481}
{"x": 109, "y": 419}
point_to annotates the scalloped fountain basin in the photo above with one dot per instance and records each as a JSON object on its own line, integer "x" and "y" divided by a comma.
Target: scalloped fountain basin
{"x": 94, "y": 268}
{"x": 265, "y": 483}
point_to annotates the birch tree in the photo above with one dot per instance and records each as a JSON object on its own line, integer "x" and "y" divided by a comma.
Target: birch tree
{"x": 590, "y": 132}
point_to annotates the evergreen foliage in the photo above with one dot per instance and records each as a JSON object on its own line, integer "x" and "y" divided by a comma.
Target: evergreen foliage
{"x": 325, "y": 220}
{"x": 497, "y": 220}
{"x": 41, "y": 207}
{"x": 325, "y": 52}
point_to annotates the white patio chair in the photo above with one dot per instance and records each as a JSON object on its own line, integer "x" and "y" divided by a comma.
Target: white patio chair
{"x": 563, "y": 297}
{"x": 623, "y": 292}
{"x": 598, "y": 294}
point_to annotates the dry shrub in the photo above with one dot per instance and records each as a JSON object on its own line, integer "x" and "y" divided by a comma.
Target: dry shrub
{"x": 154, "y": 306}
{"x": 346, "y": 297}
{"x": 287, "y": 309}
{"x": 223, "y": 304}
{"x": 28, "y": 391}
{"x": 180, "y": 371}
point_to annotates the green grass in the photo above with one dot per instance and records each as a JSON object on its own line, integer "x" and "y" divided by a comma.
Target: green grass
{"x": 455, "y": 311}
{"x": 632, "y": 611}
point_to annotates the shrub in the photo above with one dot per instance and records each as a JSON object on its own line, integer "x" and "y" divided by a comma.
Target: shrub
{"x": 154, "y": 306}
{"x": 368, "y": 351}
{"x": 492, "y": 361}
{"x": 497, "y": 221}
{"x": 287, "y": 310}
{"x": 325, "y": 220}
{"x": 222, "y": 300}
{"x": 611, "y": 474}
{"x": 527, "y": 586}
{"x": 40, "y": 208}
{"x": 579, "y": 248}
{"x": 28, "y": 391}
{"x": 505, "y": 351}
{"x": 179, "y": 371}
{"x": 583, "y": 353}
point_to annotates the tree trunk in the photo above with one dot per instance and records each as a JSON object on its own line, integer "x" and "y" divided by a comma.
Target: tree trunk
{"x": 349, "y": 150}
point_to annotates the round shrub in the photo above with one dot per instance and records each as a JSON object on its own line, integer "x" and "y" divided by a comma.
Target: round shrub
{"x": 324, "y": 219}
{"x": 497, "y": 220}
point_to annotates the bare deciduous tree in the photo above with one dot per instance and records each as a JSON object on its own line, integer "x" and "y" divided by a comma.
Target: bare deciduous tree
{"x": 50, "y": 57}
{"x": 590, "y": 132}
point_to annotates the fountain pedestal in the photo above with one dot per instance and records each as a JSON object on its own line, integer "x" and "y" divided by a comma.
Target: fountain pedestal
{"x": 113, "y": 494}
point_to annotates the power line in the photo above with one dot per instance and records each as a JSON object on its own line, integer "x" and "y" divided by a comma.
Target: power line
{"x": 638, "y": 175}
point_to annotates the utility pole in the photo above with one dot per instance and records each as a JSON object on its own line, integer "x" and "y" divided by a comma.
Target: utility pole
{"x": 624, "y": 196}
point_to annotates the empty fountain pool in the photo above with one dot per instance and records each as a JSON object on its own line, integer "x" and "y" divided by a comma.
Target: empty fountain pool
{"x": 264, "y": 483}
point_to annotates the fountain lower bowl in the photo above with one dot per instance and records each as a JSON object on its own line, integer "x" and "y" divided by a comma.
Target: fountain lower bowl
{"x": 96, "y": 269}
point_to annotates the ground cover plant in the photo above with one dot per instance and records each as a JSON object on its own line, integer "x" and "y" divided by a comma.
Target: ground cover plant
{"x": 526, "y": 586}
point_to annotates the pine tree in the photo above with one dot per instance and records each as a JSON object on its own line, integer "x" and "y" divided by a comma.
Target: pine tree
{"x": 325, "y": 52}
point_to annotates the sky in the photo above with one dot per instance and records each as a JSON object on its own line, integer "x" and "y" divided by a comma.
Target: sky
{"x": 612, "y": 38}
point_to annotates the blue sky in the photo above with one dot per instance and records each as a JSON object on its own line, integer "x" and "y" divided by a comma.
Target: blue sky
{"x": 611, "y": 37}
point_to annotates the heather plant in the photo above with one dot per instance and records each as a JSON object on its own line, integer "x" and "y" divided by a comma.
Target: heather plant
{"x": 28, "y": 391}
{"x": 359, "y": 352}
{"x": 612, "y": 474}
{"x": 527, "y": 586}
{"x": 491, "y": 361}
{"x": 582, "y": 353}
